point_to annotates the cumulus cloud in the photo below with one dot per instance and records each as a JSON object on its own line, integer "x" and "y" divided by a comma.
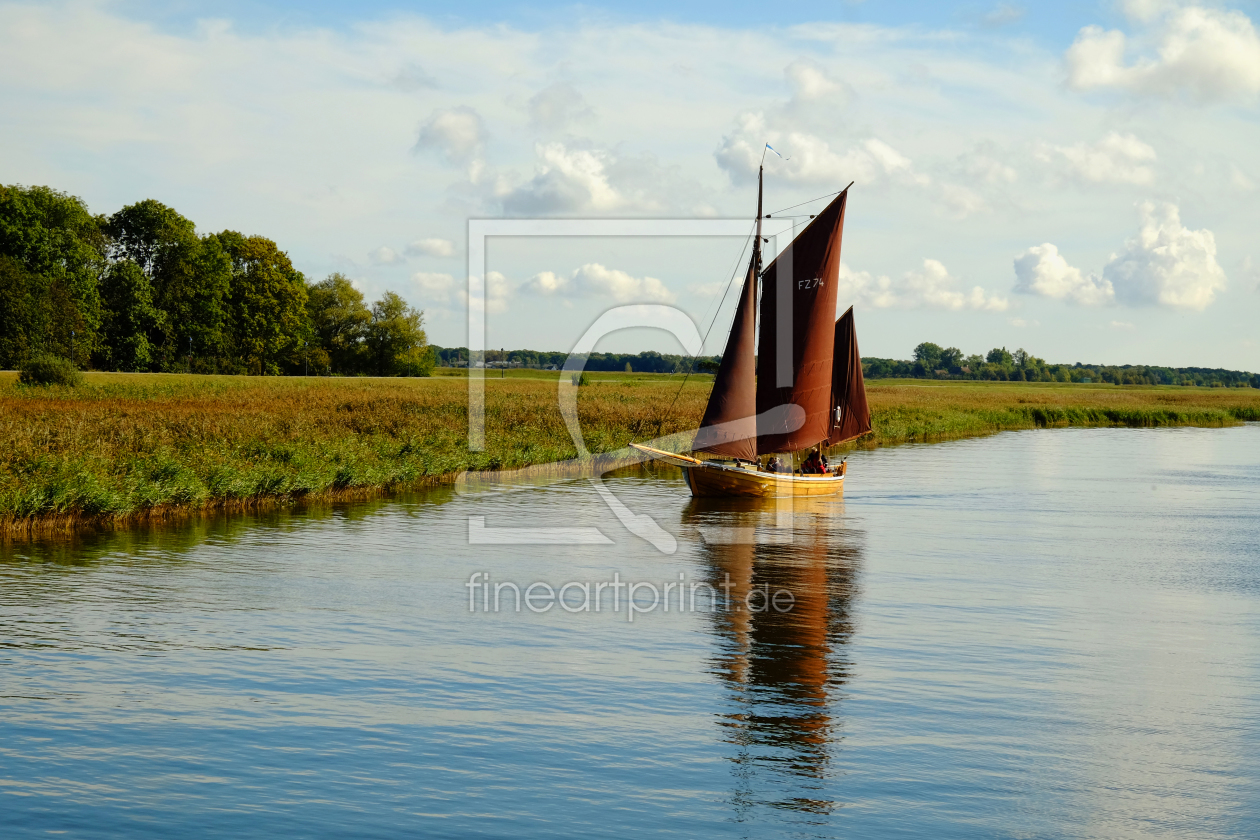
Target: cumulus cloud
{"x": 1166, "y": 263}
{"x": 431, "y": 247}
{"x": 810, "y": 83}
{"x": 595, "y": 280}
{"x": 456, "y": 132}
{"x": 1116, "y": 159}
{"x": 385, "y": 256}
{"x": 1122, "y": 325}
{"x": 433, "y": 286}
{"x": 1043, "y": 271}
{"x": 1206, "y": 53}
{"x": 556, "y": 106}
{"x": 588, "y": 180}
{"x": 931, "y": 287}
{"x": 811, "y": 160}
{"x": 497, "y": 290}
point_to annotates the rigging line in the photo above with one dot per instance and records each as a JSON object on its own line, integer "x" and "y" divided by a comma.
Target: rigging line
{"x": 803, "y": 203}
{"x": 691, "y": 368}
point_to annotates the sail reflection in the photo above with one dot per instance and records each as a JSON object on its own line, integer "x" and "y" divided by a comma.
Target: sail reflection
{"x": 785, "y": 668}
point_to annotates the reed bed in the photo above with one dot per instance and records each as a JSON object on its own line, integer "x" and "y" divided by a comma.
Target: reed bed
{"x": 128, "y": 447}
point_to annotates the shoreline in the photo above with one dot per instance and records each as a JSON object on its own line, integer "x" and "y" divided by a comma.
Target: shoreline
{"x": 124, "y": 451}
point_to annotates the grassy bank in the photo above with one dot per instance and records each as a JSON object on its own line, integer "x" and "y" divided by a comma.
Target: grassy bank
{"x": 126, "y": 446}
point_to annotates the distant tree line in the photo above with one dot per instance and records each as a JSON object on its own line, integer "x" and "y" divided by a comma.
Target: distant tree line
{"x": 648, "y": 361}
{"x": 931, "y": 361}
{"x": 141, "y": 290}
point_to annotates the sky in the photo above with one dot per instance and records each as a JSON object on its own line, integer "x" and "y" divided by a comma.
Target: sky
{"x": 1079, "y": 179}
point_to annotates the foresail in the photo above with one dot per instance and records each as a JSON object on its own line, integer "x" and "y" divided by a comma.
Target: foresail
{"x": 794, "y": 358}
{"x": 729, "y": 426}
{"x": 850, "y": 414}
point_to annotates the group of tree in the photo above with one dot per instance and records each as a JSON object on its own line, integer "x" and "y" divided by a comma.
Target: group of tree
{"x": 931, "y": 361}
{"x": 648, "y": 361}
{"x": 141, "y": 290}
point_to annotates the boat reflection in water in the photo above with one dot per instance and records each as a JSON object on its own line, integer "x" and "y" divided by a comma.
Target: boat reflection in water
{"x": 786, "y": 668}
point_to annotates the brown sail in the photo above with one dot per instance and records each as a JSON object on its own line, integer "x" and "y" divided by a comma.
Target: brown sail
{"x": 733, "y": 401}
{"x": 850, "y": 415}
{"x": 798, "y": 305}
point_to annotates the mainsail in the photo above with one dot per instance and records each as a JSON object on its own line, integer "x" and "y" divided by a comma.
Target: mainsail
{"x": 733, "y": 401}
{"x": 794, "y": 360}
{"x": 850, "y": 415}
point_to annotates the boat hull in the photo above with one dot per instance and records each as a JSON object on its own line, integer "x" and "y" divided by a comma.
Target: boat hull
{"x": 720, "y": 480}
{"x": 724, "y": 478}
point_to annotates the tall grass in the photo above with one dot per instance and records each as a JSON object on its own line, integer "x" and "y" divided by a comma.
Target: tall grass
{"x": 122, "y": 447}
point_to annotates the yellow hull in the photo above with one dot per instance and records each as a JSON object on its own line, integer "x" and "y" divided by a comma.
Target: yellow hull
{"x": 710, "y": 478}
{"x": 721, "y": 480}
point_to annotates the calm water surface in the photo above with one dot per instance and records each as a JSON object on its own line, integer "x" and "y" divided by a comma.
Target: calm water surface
{"x": 1040, "y": 634}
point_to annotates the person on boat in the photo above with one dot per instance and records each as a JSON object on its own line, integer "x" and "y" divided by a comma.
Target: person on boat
{"x": 775, "y": 465}
{"x": 813, "y": 464}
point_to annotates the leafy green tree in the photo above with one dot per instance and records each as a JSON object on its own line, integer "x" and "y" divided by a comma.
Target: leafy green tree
{"x": 952, "y": 359}
{"x": 190, "y": 277}
{"x": 48, "y": 288}
{"x": 130, "y": 317}
{"x": 340, "y": 320}
{"x": 267, "y": 321}
{"x": 1000, "y": 356}
{"x": 395, "y": 330}
{"x": 928, "y": 355}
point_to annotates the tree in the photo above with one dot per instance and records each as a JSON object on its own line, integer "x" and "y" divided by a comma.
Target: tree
{"x": 1021, "y": 357}
{"x": 130, "y": 317}
{"x": 395, "y": 329}
{"x": 340, "y": 319}
{"x": 929, "y": 355}
{"x": 952, "y": 359}
{"x": 190, "y": 277}
{"x": 266, "y": 306}
{"x": 48, "y": 292}
{"x": 999, "y": 356}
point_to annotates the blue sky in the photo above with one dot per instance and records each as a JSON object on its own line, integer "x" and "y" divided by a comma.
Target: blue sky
{"x": 1080, "y": 179}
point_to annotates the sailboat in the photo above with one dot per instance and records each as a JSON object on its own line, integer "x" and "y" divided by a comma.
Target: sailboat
{"x": 801, "y": 388}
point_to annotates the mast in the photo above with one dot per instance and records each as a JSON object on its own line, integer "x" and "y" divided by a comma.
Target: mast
{"x": 794, "y": 359}
{"x": 729, "y": 426}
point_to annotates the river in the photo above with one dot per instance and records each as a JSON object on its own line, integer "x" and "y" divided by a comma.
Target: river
{"x": 1052, "y": 633}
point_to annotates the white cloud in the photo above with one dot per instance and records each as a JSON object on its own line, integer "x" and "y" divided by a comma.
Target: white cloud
{"x": 1166, "y": 263}
{"x": 810, "y": 82}
{"x": 1207, "y": 53}
{"x": 496, "y": 289}
{"x": 1116, "y": 159}
{"x": 595, "y": 280}
{"x": 433, "y": 286}
{"x": 1043, "y": 271}
{"x": 458, "y": 133}
{"x": 931, "y": 287}
{"x": 586, "y": 180}
{"x": 385, "y": 256}
{"x": 432, "y": 247}
{"x": 1122, "y": 325}
{"x": 810, "y": 159}
{"x": 556, "y": 106}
